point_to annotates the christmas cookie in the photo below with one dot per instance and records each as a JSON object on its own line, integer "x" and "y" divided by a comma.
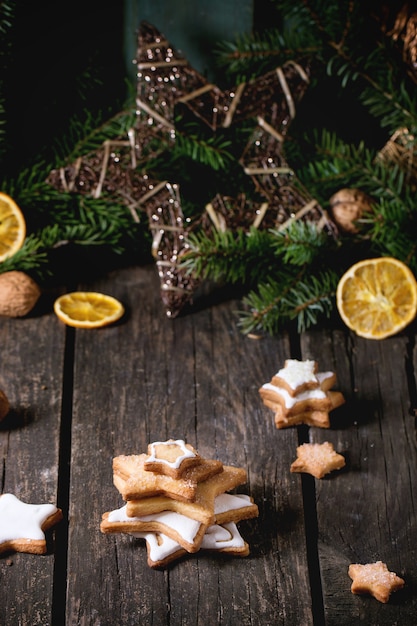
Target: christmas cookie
{"x": 171, "y": 457}
{"x": 133, "y": 480}
{"x": 187, "y": 532}
{"x": 296, "y": 376}
{"x": 22, "y": 526}
{"x": 182, "y": 514}
{"x": 203, "y": 506}
{"x": 162, "y": 550}
{"x": 374, "y": 579}
{"x": 317, "y": 459}
{"x": 299, "y": 394}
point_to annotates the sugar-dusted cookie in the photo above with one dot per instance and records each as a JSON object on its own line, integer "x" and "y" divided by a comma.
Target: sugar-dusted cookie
{"x": 171, "y": 457}
{"x": 22, "y": 526}
{"x": 317, "y": 459}
{"x": 374, "y": 579}
{"x": 203, "y": 507}
{"x": 133, "y": 481}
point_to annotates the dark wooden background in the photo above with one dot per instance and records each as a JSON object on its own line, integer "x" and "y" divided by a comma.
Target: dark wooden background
{"x": 81, "y": 397}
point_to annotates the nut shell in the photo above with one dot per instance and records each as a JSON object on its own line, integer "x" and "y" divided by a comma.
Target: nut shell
{"x": 18, "y": 294}
{"x": 4, "y": 405}
{"x": 347, "y": 206}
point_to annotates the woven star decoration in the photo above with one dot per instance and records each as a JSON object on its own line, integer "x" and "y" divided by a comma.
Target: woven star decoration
{"x": 166, "y": 81}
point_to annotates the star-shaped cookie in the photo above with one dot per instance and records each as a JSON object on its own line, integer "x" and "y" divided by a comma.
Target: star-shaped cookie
{"x": 299, "y": 394}
{"x": 171, "y": 457}
{"x": 317, "y": 459}
{"x": 224, "y": 538}
{"x": 374, "y": 579}
{"x": 202, "y": 508}
{"x": 133, "y": 480}
{"x": 22, "y": 525}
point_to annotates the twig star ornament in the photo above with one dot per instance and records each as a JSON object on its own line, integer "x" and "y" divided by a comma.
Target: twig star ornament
{"x": 165, "y": 82}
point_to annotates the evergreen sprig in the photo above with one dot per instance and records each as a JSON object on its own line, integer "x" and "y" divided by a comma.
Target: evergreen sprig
{"x": 238, "y": 257}
{"x": 294, "y": 295}
{"x": 285, "y": 273}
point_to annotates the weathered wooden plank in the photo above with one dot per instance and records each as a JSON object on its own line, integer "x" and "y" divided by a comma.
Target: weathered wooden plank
{"x": 366, "y": 512}
{"x": 196, "y": 377}
{"x": 31, "y": 370}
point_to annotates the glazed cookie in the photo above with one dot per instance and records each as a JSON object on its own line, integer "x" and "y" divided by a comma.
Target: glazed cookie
{"x": 299, "y": 394}
{"x": 179, "y": 502}
{"x": 163, "y": 550}
{"x": 188, "y": 533}
{"x": 23, "y": 526}
{"x": 171, "y": 457}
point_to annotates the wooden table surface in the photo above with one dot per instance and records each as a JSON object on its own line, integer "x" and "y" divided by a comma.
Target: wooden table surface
{"x": 81, "y": 397}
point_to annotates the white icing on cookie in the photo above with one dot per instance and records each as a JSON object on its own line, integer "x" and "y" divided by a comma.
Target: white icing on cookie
{"x": 216, "y": 537}
{"x": 230, "y": 502}
{"x": 186, "y": 527}
{"x": 186, "y": 452}
{"x": 19, "y": 520}
{"x": 219, "y": 537}
{"x": 160, "y": 546}
{"x": 321, "y": 376}
{"x": 290, "y": 401}
{"x": 296, "y": 373}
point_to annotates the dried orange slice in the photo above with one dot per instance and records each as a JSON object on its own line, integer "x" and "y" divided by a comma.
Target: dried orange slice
{"x": 12, "y": 227}
{"x": 377, "y": 298}
{"x": 88, "y": 309}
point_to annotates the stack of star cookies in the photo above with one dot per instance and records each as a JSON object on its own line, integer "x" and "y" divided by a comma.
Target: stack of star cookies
{"x": 300, "y": 394}
{"x": 178, "y": 502}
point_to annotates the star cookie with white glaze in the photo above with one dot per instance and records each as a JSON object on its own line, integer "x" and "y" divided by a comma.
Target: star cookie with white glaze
{"x": 171, "y": 457}
{"x": 219, "y": 538}
{"x": 22, "y": 526}
{"x": 179, "y": 515}
{"x": 374, "y": 579}
{"x": 299, "y": 394}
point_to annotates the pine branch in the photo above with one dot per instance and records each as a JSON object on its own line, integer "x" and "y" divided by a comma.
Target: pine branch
{"x": 301, "y": 243}
{"x": 85, "y": 135}
{"x": 235, "y": 257}
{"x": 256, "y": 53}
{"x": 279, "y": 302}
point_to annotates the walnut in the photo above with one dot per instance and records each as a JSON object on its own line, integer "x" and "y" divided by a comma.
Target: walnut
{"x": 18, "y": 294}
{"x": 4, "y": 405}
{"x": 347, "y": 206}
